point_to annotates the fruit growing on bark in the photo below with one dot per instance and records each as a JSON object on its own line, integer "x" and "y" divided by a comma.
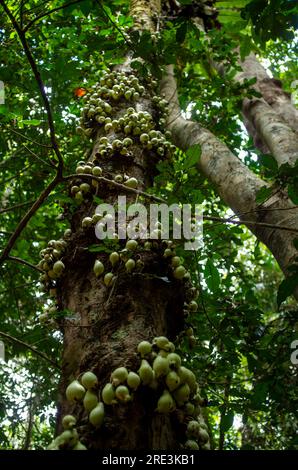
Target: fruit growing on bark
{"x": 75, "y": 391}
{"x": 96, "y": 417}
{"x": 89, "y": 380}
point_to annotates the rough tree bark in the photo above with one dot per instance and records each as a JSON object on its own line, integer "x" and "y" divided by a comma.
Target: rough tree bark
{"x": 108, "y": 323}
{"x": 272, "y": 119}
{"x": 235, "y": 183}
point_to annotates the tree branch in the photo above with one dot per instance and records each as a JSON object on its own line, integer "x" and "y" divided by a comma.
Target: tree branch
{"x": 27, "y": 217}
{"x": 28, "y": 138}
{"x": 31, "y": 348}
{"x": 235, "y": 182}
{"x": 15, "y": 206}
{"x": 43, "y": 15}
{"x": 24, "y": 262}
{"x": 40, "y": 84}
{"x": 114, "y": 183}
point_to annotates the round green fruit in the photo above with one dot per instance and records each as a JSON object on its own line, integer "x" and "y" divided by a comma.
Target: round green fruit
{"x": 89, "y": 380}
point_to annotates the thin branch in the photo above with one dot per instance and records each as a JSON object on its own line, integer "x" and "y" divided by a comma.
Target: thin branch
{"x": 48, "y": 13}
{"x": 15, "y": 206}
{"x": 102, "y": 179}
{"x": 24, "y": 262}
{"x": 28, "y": 138}
{"x": 51, "y": 165}
{"x": 31, "y": 348}
{"x": 251, "y": 222}
{"x": 23, "y": 223}
{"x": 20, "y": 286}
{"x": 40, "y": 84}
{"x": 114, "y": 24}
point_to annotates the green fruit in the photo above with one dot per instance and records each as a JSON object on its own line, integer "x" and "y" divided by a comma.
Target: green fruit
{"x": 163, "y": 353}
{"x": 161, "y": 342}
{"x": 87, "y": 222}
{"x": 166, "y": 403}
{"x": 144, "y": 348}
{"x": 98, "y": 268}
{"x": 144, "y": 138}
{"x": 108, "y": 126}
{"x": 89, "y": 380}
{"x": 127, "y": 142}
{"x": 79, "y": 196}
{"x": 133, "y": 380}
{"x": 147, "y": 246}
{"x": 193, "y": 429}
{"x": 198, "y": 399}
{"x": 160, "y": 366}
{"x": 75, "y": 391}
{"x": 131, "y": 183}
{"x": 80, "y": 169}
{"x": 96, "y": 218}
{"x": 108, "y": 279}
{"x": 90, "y": 401}
{"x": 191, "y": 445}
{"x": 181, "y": 394}
{"x": 167, "y": 253}
{"x": 193, "y": 306}
{"x": 58, "y": 267}
{"x": 176, "y": 261}
{"x": 172, "y": 380}
{"x": 97, "y": 171}
{"x": 108, "y": 394}
{"x": 189, "y": 331}
{"x": 174, "y": 360}
{"x": 188, "y": 377}
{"x": 131, "y": 245}
{"x": 122, "y": 394}
{"x": 67, "y": 233}
{"x": 189, "y": 408}
{"x": 118, "y": 179}
{"x": 179, "y": 272}
{"x": 97, "y": 415}
{"x": 119, "y": 376}
{"x": 203, "y": 435}
{"x": 69, "y": 438}
{"x": 68, "y": 422}
{"x": 130, "y": 265}
{"x": 146, "y": 372}
{"x": 79, "y": 446}
{"x": 114, "y": 258}
{"x": 85, "y": 187}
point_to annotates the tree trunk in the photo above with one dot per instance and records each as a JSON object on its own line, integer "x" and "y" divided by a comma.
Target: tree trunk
{"x": 235, "y": 183}
{"x": 272, "y": 120}
{"x": 105, "y": 323}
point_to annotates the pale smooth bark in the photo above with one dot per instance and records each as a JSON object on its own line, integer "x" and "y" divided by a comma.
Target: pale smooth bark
{"x": 272, "y": 119}
{"x": 235, "y": 183}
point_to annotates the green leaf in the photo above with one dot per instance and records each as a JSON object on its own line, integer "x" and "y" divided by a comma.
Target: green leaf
{"x": 212, "y": 276}
{"x": 226, "y": 421}
{"x": 245, "y": 47}
{"x": 193, "y": 155}
{"x": 286, "y": 288}
{"x": 263, "y": 194}
{"x": 31, "y": 122}
{"x": 181, "y": 32}
{"x": 293, "y": 193}
{"x": 268, "y": 161}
